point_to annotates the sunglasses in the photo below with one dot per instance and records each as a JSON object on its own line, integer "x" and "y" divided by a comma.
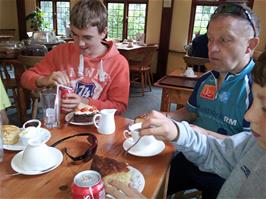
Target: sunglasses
{"x": 93, "y": 143}
{"x": 238, "y": 10}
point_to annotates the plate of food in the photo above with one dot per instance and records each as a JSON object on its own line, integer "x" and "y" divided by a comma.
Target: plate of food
{"x": 82, "y": 115}
{"x": 12, "y": 140}
{"x": 111, "y": 169}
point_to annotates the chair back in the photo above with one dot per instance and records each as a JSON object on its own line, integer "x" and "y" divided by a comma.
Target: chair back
{"x": 29, "y": 61}
{"x": 10, "y": 72}
{"x": 192, "y": 61}
{"x": 143, "y": 56}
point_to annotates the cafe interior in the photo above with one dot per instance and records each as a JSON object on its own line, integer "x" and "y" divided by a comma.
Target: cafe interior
{"x": 155, "y": 36}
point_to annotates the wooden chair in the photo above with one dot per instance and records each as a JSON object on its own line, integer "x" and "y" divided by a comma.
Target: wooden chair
{"x": 27, "y": 62}
{"x": 195, "y": 61}
{"x": 140, "y": 66}
{"x": 11, "y": 71}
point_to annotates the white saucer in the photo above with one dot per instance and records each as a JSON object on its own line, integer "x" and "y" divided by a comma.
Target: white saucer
{"x": 17, "y": 165}
{"x": 70, "y": 115}
{"x": 150, "y": 150}
{"x": 44, "y": 135}
{"x": 190, "y": 76}
{"x": 137, "y": 179}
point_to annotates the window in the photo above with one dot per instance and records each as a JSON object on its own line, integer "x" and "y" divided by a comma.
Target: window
{"x": 126, "y": 18}
{"x": 201, "y": 12}
{"x": 56, "y": 14}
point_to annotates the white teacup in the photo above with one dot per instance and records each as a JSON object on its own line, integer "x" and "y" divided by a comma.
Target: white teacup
{"x": 30, "y": 132}
{"x": 133, "y": 134}
{"x": 37, "y": 156}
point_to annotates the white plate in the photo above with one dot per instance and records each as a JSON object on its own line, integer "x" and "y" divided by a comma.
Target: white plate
{"x": 150, "y": 150}
{"x": 137, "y": 179}
{"x": 44, "y": 135}
{"x": 17, "y": 165}
{"x": 70, "y": 115}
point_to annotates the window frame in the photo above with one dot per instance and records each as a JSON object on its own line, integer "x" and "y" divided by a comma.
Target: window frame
{"x": 38, "y": 4}
{"x": 196, "y": 3}
{"x": 126, "y": 8}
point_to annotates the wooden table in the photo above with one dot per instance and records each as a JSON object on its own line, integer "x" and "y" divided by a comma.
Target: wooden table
{"x": 57, "y": 183}
{"x": 176, "y": 89}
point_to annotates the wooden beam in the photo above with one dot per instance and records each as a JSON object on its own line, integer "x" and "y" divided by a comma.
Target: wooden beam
{"x": 165, "y": 31}
{"x": 21, "y": 19}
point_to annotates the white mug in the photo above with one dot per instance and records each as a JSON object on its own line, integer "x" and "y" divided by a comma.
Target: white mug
{"x": 30, "y": 131}
{"x": 133, "y": 133}
{"x": 189, "y": 72}
{"x": 105, "y": 121}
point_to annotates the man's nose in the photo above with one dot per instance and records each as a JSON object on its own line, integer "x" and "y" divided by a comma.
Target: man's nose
{"x": 213, "y": 47}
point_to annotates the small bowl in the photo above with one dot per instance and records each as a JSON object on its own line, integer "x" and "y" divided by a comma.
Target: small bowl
{"x": 37, "y": 156}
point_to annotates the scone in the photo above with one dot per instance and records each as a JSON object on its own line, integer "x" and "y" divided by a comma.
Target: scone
{"x": 111, "y": 169}
{"x": 84, "y": 113}
{"x": 10, "y": 134}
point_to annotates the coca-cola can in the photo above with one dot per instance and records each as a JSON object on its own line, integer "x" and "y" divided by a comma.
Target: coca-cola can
{"x": 65, "y": 91}
{"x": 88, "y": 185}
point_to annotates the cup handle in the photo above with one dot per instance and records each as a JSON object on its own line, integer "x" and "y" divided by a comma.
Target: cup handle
{"x": 95, "y": 120}
{"x": 32, "y": 121}
{"x": 127, "y": 134}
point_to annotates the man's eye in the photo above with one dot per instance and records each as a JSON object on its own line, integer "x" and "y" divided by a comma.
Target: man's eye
{"x": 264, "y": 109}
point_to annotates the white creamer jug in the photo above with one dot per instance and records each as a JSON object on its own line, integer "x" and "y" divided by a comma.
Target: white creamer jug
{"x": 105, "y": 121}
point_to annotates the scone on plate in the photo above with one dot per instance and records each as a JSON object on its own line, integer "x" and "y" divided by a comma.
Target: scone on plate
{"x": 84, "y": 113}
{"x": 10, "y": 134}
{"x": 111, "y": 169}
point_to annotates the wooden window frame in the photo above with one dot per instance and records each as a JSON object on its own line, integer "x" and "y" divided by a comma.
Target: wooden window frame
{"x": 38, "y": 4}
{"x": 195, "y": 3}
{"x": 126, "y": 7}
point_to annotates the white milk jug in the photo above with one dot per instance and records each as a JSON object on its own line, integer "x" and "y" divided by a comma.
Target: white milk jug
{"x": 105, "y": 121}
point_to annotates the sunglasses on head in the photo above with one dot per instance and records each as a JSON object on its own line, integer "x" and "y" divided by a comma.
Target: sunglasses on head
{"x": 93, "y": 143}
{"x": 238, "y": 10}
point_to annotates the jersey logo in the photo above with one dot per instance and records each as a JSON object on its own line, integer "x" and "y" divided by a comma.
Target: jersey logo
{"x": 85, "y": 90}
{"x": 208, "y": 92}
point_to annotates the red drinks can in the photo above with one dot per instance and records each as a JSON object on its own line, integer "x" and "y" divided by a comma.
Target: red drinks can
{"x": 88, "y": 184}
{"x": 64, "y": 91}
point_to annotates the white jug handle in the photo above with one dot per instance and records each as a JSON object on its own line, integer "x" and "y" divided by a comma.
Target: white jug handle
{"x": 32, "y": 121}
{"x": 127, "y": 134}
{"x": 95, "y": 120}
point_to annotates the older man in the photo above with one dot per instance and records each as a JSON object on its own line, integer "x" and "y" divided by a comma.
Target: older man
{"x": 222, "y": 95}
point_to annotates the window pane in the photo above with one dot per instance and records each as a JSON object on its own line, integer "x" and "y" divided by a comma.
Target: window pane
{"x": 115, "y": 20}
{"x": 136, "y": 19}
{"x": 47, "y": 8}
{"x": 202, "y": 17}
{"x": 63, "y": 11}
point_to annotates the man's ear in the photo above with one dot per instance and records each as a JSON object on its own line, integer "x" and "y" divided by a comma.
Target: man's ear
{"x": 252, "y": 44}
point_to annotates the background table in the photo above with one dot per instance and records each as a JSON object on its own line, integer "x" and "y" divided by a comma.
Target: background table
{"x": 176, "y": 89}
{"x": 57, "y": 183}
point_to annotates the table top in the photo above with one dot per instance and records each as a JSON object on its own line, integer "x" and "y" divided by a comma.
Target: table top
{"x": 57, "y": 183}
{"x": 177, "y": 79}
{"x": 127, "y": 47}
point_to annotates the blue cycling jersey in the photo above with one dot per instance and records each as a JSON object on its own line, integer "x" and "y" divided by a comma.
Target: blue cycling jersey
{"x": 222, "y": 110}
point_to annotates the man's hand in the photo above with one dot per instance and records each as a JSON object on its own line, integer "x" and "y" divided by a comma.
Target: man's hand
{"x": 121, "y": 191}
{"x": 160, "y": 126}
{"x": 55, "y": 78}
